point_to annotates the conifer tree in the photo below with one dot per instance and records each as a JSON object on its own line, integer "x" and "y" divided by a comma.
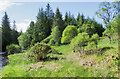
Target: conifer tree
{"x": 41, "y": 29}
{"x": 66, "y": 19}
{"x": 56, "y": 36}
{"x": 58, "y": 21}
{"x": 30, "y": 32}
{"x": 6, "y": 32}
{"x": 50, "y": 17}
{"x": 14, "y": 34}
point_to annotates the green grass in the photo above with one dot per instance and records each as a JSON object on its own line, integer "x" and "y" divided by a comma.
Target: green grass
{"x": 68, "y": 64}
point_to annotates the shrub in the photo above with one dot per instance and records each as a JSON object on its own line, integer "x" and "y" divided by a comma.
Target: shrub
{"x": 39, "y": 51}
{"x": 95, "y": 39}
{"x": 23, "y": 40}
{"x": 69, "y": 33}
{"x": 91, "y": 45}
{"x": 80, "y": 40}
{"x": 13, "y": 48}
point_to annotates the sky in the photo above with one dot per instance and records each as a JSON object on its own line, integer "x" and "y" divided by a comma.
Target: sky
{"x": 25, "y": 12}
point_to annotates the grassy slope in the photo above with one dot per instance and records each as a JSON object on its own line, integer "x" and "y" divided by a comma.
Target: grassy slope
{"x": 68, "y": 64}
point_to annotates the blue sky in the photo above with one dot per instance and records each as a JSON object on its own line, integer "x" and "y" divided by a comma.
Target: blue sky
{"x": 24, "y": 12}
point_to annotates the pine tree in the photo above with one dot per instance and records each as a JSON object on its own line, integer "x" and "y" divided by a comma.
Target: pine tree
{"x": 66, "y": 19}
{"x": 78, "y": 17}
{"x": 6, "y": 32}
{"x": 73, "y": 21}
{"x": 56, "y": 36}
{"x": 50, "y": 17}
{"x": 14, "y": 34}
{"x": 58, "y": 21}
{"x": 41, "y": 29}
{"x": 69, "y": 19}
{"x": 30, "y": 32}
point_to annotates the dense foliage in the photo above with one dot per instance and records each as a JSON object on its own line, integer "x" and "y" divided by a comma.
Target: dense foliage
{"x": 69, "y": 33}
{"x": 39, "y": 51}
{"x": 81, "y": 40}
{"x": 13, "y": 48}
{"x": 95, "y": 39}
{"x": 56, "y": 36}
{"x": 23, "y": 40}
{"x": 51, "y": 28}
{"x": 91, "y": 27}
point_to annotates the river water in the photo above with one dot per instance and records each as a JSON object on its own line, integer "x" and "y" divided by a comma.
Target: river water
{"x": 1, "y": 62}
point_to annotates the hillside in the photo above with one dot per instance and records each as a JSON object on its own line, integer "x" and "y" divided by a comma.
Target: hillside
{"x": 66, "y": 63}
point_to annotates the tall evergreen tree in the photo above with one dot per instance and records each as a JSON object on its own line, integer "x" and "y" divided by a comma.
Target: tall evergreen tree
{"x": 73, "y": 21}
{"x": 50, "y": 17}
{"x": 6, "y": 32}
{"x": 41, "y": 28}
{"x": 78, "y": 17}
{"x": 56, "y": 36}
{"x": 30, "y": 33}
{"x": 14, "y": 34}
{"x": 58, "y": 21}
{"x": 78, "y": 20}
{"x": 81, "y": 20}
{"x": 69, "y": 19}
{"x": 66, "y": 19}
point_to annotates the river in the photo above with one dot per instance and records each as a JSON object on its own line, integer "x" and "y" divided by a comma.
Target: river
{"x": 1, "y": 62}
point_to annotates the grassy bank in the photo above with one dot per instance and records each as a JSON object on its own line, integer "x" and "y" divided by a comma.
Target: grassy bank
{"x": 67, "y": 63}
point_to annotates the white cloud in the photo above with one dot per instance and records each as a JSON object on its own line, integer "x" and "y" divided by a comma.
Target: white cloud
{"x": 5, "y": 4}
{"x": 23, "y": 25}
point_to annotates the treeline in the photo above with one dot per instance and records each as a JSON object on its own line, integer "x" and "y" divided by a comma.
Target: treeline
{"x": 9, "y": 33}
{"x": 51, "y": 28}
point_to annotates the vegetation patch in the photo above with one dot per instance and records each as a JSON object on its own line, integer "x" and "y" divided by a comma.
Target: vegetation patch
{"x": 13, "y": 48}
{"x": 40, "y": 51}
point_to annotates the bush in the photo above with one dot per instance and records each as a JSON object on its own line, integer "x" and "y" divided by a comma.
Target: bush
{"x": 69, "y": 33}
{"x": 91, "y": 45}
{"x": 13, "y": 48}
{"x": 95, "y": 38}
{"x": 81, "y": 40}
{"x": 23, "y": 40}
{"x": 39, "y": 51}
